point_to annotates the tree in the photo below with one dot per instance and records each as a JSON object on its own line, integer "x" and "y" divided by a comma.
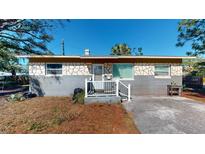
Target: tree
{"x": 121, "y": 49}
{"x": 192, "y": 30}
{"x": 23, "y": 36}
{"x": 8, "y": 61}
{"x": 139, "y": 53}
{"x": 200, "y": 68}
{"x": 195, "y": 67}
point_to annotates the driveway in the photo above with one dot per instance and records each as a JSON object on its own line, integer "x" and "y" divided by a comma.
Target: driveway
{"x": 167, "y": 115}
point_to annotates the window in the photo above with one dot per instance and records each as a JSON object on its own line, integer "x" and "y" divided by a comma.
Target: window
{"x": 162, "y": 70}
{"x": 53, "y": 69}
{"x": 123, "y": 71}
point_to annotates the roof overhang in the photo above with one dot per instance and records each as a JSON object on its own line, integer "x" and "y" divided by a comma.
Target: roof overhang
{"x": 109, "y": 59}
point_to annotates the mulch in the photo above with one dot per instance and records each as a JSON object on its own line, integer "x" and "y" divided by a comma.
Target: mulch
{"x": 194, "y": 95}
{"x": 60, "y": 115}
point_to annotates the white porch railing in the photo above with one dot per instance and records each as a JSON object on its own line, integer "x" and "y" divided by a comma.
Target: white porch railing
{"x": 106, "y": 88}
{"x": 124, "y": 90}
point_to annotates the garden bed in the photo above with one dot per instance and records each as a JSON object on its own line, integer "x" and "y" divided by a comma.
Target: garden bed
{"x": 198, "y": 95}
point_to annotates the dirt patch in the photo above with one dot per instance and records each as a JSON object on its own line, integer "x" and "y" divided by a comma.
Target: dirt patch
{"x": 2, "y": 100}
{"x": 59, "y": 115}
{"x": 194, "y": 95}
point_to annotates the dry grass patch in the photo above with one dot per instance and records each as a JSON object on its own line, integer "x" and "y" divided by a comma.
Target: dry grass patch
{"x": 59, "y": 115}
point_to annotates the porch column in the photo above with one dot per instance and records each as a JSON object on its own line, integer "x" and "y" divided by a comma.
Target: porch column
{"x": 129, "y": 92}
{"x": 117, "y": 87}
{"x": 86, "y": 88}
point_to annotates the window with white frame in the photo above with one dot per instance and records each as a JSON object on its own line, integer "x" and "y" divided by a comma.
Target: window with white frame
{"x": 123, "y": 71}
{"x": 53, "y": 69}
{"x": 162, "y": 70}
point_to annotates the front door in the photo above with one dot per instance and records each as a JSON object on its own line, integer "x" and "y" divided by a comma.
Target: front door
{"x": 98, "y": 76}
{"x": 97, "y": 72}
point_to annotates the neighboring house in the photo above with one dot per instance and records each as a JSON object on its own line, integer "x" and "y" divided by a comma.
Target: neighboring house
{"x": 146, "y": 75}
{"x": 9, "y": 74}
{"x": 5, "y": 74}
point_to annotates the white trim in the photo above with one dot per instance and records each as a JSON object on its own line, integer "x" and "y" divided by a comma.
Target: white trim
{"x": 117, "y": 88}
{"x": 110, "y": 57}
{"x": 129, "y": 93}
{"x": 128, "y": 90}
{"x": 136, "y": 57}
{"x": 125, "y": 79}
{"x": 162, "y": 77}
{"x": 102, "y": 81}
{"x": 123, "y": 84}
{"x": 86, "y": 88}
{"x": 100, "y": 95}
{"x": 50, "y": 75}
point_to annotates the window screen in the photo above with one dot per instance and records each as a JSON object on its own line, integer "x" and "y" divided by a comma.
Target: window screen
{"x": 123, "y": 71}
{"x": 54, "y": 69}
{"x": 162, "y": 70}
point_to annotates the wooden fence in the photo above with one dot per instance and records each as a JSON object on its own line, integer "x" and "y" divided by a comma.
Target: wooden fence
{"x": 193, "y": 81}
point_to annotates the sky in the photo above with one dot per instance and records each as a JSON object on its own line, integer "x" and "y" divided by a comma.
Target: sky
{"x": 156, "y": 37}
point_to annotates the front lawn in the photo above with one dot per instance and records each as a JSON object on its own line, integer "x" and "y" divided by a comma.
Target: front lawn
{"x": 59, "y": 115}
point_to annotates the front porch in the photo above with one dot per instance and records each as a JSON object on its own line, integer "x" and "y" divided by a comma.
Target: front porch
{"x": 109, "y": 91}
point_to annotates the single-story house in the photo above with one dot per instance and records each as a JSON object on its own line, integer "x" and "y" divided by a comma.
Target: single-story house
{"x": 104, "y": 75}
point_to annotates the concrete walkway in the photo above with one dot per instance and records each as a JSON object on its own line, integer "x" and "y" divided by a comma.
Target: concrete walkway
{"x": 167, "y": 115}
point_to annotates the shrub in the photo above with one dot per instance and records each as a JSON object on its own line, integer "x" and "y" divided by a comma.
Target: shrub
{"x": 76, "y": 91}
{"x": 16, "y": 97}
{"x": 29, "y": 95}
{"x": 79, "y": 98}
{"x": 58, "y": 120}
{"x": 37, "y": 126}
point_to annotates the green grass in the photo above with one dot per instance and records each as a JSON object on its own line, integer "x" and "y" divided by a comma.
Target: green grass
{"x": 37, "y": 126}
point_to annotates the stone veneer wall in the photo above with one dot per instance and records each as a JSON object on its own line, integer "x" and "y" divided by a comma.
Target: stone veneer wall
{"x": 77, "y": 69}
{"x": 108, "y": 68}
{"x": 36, "y": 68}
{"x": 176, "y": 70}
{"x": 148, "y": 69}
{"x": 67, "y": 69}
{"x": 86, "y": 69}
{"x": 144, "y": 69}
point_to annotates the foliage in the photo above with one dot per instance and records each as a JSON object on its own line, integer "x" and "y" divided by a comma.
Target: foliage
{"x": 200, "y": 69}
{"x": 61, "y": 115}
{"x": 23, "y": 36}
{"x": 79, "y": 97}
{"x": 194, "y": 67}
{"x": 37, "y": 126}
{"x": 192, "y": 30}
{"x": 121, "y": 49}
{"x": 188, "y": 65}
{"x": 16, "y": 97}
{"x": 18, "y": 80}
{"x": 58, "y": 120}
{"x": 28, "y": 36}
{"x": 8, "y": 61}
{"x": 139, "y": 53}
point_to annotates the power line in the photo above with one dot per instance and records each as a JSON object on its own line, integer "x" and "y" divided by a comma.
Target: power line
{"x": 63, "y": 48}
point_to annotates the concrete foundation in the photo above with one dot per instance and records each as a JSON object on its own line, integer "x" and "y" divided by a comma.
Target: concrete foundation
{"x": 109, "y": 100}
